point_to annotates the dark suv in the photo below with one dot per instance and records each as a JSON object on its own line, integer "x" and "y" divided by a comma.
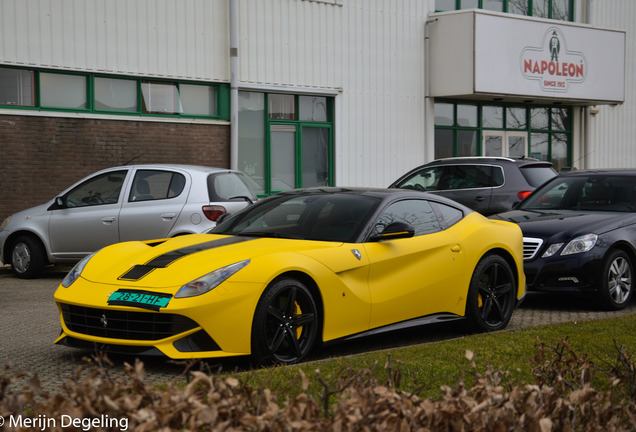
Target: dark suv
{"x": 486, "y": 184}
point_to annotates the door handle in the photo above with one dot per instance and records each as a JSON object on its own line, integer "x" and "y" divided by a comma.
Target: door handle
{"x": 168, "y": 216}
{"x": 456, "y": 248}
{"x": 108, "y": 219}
{"x": 479, "y": 198}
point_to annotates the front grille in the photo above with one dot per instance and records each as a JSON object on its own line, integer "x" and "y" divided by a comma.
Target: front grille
{"x": 531, "y": 247}
{"x": 126, "y": 325}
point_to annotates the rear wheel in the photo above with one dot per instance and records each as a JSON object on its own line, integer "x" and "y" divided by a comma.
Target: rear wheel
{"x": 491, "y": 295}
{"x": 27, "y": 257}
{"x": 285, "y": 323}
{"x": 616, "y": 285}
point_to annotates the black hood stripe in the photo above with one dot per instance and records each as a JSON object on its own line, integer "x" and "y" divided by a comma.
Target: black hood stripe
{"x": 162, "y": 261}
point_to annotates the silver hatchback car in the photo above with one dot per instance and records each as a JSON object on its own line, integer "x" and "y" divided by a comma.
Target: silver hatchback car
{"x": 136, "y": 202}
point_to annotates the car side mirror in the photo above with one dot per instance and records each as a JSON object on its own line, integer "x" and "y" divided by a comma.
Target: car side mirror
{"x": 59, "y": 203}
{"x": 223, "y": 217}
{"x": 395, "y": 230}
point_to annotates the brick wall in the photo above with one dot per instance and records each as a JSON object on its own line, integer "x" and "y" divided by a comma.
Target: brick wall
{"x": 41, "y": 156}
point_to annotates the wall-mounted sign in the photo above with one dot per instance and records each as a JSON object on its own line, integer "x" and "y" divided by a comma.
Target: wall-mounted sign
{"x": 551, "y": 64}
{"x": 480, "y": 54}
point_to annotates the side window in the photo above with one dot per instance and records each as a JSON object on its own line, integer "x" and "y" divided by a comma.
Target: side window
{"x": 155, "y": 185}
{"x": 417, "y": 213}
{"x": 498, "y": 176}
{"x": 470, "y": 177}
{"x": 448, "y": 215}
{"x": 424, "y": 180}
{"x": 99, "y": 190}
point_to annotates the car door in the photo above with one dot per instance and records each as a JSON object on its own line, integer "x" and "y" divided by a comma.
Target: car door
{"x": 413, "y": 277}
{"x": 153, "y": 204}
{"x": 470, "y": 185}
{"x": 86, "y": 218}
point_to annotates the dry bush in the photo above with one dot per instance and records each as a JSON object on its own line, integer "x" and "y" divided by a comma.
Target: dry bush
{"x": 561, "y": 399}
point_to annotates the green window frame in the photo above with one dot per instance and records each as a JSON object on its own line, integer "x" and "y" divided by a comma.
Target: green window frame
{"x": 286, "y": 140}
{"x": 548, "y": 128}
{"x": 562, "y": 10}
{"x": 54, "y": 90}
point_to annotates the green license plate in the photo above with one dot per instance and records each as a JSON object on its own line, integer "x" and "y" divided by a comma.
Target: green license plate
{"x": 143, "y": 299}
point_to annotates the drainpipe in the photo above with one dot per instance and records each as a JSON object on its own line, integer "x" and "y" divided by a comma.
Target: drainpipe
{"x": 234, "y": 141}
{"x": 586, "y": 110}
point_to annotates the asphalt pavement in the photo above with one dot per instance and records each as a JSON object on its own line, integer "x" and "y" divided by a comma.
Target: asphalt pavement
{"x": 29, "y": 323}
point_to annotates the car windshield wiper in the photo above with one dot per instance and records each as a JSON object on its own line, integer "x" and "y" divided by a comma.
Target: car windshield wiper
{"x": 269, "y": 234}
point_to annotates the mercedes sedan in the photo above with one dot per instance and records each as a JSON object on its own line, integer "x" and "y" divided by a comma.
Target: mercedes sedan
{"x": 579, "y": 235}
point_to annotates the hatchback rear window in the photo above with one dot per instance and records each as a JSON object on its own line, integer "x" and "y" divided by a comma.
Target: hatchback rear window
{"x": 226, "y": 186}
{"x": 536, "y": 175}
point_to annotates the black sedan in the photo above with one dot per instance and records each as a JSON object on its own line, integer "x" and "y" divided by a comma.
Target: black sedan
{"x": 580, "y": 235}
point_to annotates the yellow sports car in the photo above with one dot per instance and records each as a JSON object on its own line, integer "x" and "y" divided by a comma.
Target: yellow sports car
{"x": 296, "y": 270}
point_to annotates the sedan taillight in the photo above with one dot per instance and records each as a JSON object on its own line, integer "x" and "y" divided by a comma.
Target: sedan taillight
{"x": 213, "y": 212}
{"x": 523, "y": 194}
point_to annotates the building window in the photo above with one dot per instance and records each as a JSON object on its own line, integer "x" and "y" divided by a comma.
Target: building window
{"x": 17, "y": 87}
{"x": 472, "y": 129}
{"x": 160, "y": 97}
{"x": 199, "y": 99}
{"x": 52, "y": 90}
{"x": 555, "y": 9}
{"x": 63, "y": 91}
{"x": 282, "y": 107}
{"x": 285, "y": 140}
{"x": 115, "y": 94}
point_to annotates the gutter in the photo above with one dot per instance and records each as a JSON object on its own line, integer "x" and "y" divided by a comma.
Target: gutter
{"x": 234, "y": 59}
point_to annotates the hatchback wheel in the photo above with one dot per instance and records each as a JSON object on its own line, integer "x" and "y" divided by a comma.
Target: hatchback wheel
{"x": 27, "y": 257}
{"x": 616, "y": 286}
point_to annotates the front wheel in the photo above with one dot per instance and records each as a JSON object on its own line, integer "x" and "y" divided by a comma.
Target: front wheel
{"x": 285, "y": 324}
{"x": 616, "y": 285}
{"x": 491, "y": 295}
{"x": 27, "y": 257}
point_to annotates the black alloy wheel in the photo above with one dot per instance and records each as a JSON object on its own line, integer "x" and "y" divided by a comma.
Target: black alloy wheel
{"x": 491, "y": 295}
{"x": 616, "y": 285}
{"x": 285, "y": 324}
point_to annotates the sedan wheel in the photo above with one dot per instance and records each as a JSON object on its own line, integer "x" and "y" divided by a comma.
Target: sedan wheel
{"x": 491, "y": 295}
{"x": 616, "y": 290}
{"x": 27, "y": 257}
{"x": 285, "y": 323}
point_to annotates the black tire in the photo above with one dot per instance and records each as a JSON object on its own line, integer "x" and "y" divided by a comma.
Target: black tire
{"x": 491, "y": 295}
{"x": 285, "y": 324}
{"x": 616, "y": 283}
{"x": 28, "y": 257}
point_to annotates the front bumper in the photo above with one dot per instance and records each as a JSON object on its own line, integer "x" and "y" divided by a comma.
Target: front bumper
{"x": 573, "y": 273}
{"x": 215, "y": 324}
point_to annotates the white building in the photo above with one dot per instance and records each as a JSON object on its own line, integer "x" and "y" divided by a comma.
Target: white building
{"x": 309, "y": 92}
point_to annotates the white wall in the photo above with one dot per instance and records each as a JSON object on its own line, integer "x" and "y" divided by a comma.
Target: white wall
{"x": 372, "y": 51}
{"x": 612, "y": 140}
{"x": 185, "y": 39}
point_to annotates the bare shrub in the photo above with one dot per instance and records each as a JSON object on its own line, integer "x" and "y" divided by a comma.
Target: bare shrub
{"x": 562, "y": 398}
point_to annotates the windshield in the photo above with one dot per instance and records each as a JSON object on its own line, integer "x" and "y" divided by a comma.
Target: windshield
{"x": 591, "y": 193}
{"x": 311, "y": 216}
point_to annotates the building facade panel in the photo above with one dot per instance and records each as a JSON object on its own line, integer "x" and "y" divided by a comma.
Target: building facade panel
{"x": 162, "y": 38}
{"x": 612, "y": 128}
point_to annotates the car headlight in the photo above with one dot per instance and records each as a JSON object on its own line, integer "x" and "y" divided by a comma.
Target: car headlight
{"x": 76, "y": 271}
{"x": 580, "y": 244}
{"x": 4, "y": 223}
{"x": 209, "y": 281}
{"x": 552, "y": 250}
